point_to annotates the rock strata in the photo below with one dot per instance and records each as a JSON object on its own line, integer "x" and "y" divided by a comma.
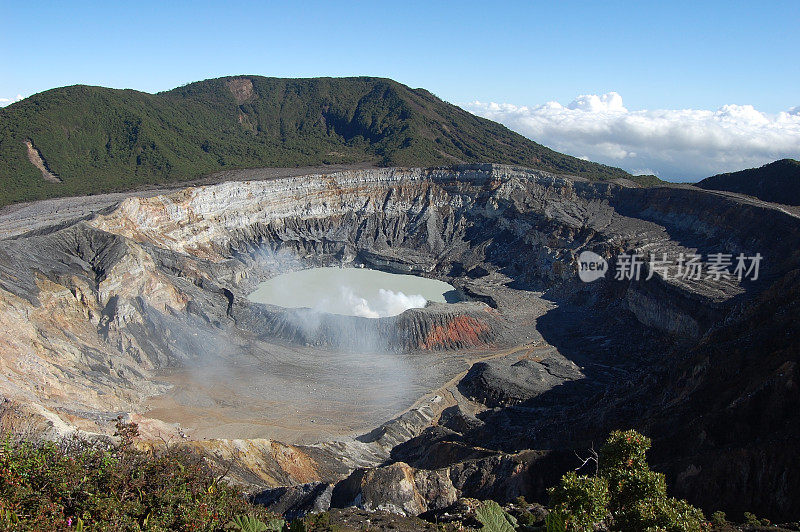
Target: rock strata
{"x": 109, "y": 309}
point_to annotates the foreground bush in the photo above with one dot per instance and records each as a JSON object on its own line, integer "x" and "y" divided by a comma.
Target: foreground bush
{"x": 584, "y": 499}
{"x": 94, "y": 486}
{"x": 626, "y": 495}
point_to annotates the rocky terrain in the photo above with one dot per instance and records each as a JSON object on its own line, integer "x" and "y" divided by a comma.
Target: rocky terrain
{"x": 137, "y": 306}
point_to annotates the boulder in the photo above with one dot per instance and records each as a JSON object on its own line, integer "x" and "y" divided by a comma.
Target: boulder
{"x": 293, "y": 502}
{"x": 503, "y": 382}
{"x": 396, "y": 488}
{"x": 459, "y": 419}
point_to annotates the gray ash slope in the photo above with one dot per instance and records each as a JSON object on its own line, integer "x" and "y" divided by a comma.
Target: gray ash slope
{"x": 94, "y": 309}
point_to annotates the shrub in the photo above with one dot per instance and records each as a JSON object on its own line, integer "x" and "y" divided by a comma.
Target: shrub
{"x": 719, "y": 518}
{"x": 50, "y": 486}
{"x": 624, "y": 449}
{"x": 628, "y": 486}
{"x": 554, "y": 522}
{"x": 751, "y": 520}
{"x": 248, "y": 523}
{"x": 627, "y": 495}
{"x": 582, "y": 501}
{"x": 663, "y": 513}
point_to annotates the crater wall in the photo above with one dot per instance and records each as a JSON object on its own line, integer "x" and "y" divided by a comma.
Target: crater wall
{"x": 92, "y": 310}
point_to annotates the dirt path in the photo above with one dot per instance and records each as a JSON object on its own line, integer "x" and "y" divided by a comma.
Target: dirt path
{"x": 445, "y": 391}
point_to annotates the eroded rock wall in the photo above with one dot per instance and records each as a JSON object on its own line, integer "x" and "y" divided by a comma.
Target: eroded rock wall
{"x": 91, "y": 310}
{"x": 117, "y": 296}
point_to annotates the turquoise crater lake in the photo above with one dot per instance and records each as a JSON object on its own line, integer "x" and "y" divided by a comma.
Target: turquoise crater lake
{"x": 351, "y": 291}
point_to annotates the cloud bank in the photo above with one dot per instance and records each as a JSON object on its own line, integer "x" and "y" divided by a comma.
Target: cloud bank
{"x": 678, "y": 145}
{"x": 8, "y": 101}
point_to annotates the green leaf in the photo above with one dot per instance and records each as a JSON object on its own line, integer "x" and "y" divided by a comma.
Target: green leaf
{"x": 494, "y": 518}
{"x": 246, "y": 523}
{"x": 554, "y": 522}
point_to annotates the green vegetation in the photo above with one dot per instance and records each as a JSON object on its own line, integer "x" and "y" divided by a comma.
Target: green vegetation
{"x": 778, "y": 182}
{"x": 626, "y": 495}
{"x": 647, "y": 180}
{"x": 248, "y": 523}
{"x": 82, "y": 485}
{"x": 494, "y": 518}
{"x": 100, "y": 140}
{"x": 581, "y": 501}
{"x": 95, "y": 486}
{"x": 719, "y": 519}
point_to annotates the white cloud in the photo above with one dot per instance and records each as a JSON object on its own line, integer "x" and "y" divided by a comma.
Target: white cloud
{"x": 595, "y": 104}
{"x": 8, "y": 101}
{"x": 674, "y": 144}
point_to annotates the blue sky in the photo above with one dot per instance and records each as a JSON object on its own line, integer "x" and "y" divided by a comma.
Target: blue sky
{"x": 657, "y": 55}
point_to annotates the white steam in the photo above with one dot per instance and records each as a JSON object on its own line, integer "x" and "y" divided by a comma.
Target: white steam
{"x": 386, "y": 303}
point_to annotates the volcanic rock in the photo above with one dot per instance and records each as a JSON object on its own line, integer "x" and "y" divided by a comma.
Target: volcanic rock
{"x": 111, "y": 307}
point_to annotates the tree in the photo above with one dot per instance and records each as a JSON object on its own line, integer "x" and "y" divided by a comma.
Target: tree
{"x": 626, "y": 495}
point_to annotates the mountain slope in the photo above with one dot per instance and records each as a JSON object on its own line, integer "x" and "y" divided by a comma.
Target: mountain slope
{"x": 83, "y": 140}
{"x": 778, "y": 182}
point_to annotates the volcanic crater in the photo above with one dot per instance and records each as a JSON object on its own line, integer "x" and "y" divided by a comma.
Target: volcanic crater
{"x": 139, "y": 306}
